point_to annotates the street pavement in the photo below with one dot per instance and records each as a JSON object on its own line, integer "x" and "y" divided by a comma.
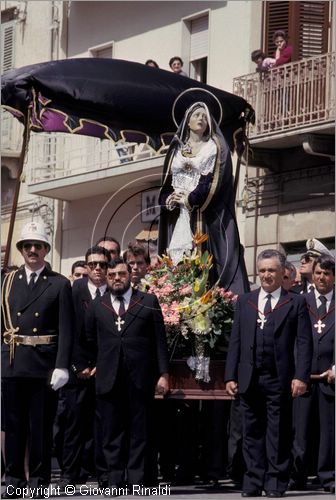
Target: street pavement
{"x": 224, "y": 490}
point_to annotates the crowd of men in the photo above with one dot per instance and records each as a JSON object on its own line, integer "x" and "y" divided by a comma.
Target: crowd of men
{"x": 81, "y": 365}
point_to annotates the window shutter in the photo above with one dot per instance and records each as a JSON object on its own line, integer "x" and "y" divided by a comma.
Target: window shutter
{"x": 7, "y": 46}
{"x": 276, "y": 18}
{"x": 199, "y": 38}
{"x": 313, "y": 32}
{"x": 104, "y": 53}
{"x": 306, "y": 23}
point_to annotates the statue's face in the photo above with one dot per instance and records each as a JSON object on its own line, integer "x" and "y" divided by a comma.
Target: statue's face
{"x": 198, "y": 121}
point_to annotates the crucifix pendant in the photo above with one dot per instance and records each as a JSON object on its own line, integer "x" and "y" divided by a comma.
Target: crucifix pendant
{"x": 119, "y": 322}
{"x": 319, "y": 325}
{"x": 261, "y": 321}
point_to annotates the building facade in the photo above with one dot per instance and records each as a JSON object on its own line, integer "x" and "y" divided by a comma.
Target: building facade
{"x": 84, "y": 187}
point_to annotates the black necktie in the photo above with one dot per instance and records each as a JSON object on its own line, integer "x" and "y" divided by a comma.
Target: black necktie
{"x": 322, "y": 310}
{"x": 32, "y": 281}
{"x": 268, "y": 305}
{"x": 121, "y": 305}
{"x": 97, "y": 292}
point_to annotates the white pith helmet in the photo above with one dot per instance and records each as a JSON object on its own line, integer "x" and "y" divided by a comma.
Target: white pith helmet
{"x": 33, "y": 231}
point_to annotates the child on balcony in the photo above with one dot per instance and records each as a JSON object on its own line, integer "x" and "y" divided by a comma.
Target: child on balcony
{"x": 263, "y": 63}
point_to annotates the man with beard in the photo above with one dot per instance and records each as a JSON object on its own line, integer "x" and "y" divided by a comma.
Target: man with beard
{"x": 126, "y": 327}
{"x": 37, "y": 319}
{"x": 76, "y": 416}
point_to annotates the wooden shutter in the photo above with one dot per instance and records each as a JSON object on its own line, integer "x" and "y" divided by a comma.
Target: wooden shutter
{"x": 7, "y": 46}
{"x": 305, "y": 22}
{"x": 276, "y": 18}
{"x": 313, "y": 31}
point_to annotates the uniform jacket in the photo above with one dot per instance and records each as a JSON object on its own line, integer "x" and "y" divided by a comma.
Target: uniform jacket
{"x": 291, "y": 326}
{"x": 46, "y": 310}
{"x": 142, "y": 341}
{"x": 323, "y": 355}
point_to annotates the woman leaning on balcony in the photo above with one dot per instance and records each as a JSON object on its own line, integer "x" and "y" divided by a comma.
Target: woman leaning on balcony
{"x": 284, "y": 52}
{"x": 197, "y": 193}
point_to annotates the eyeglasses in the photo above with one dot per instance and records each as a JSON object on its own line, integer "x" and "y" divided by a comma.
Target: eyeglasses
{"x": 113, "y": 274}
{"x": 28, "y": 246}
{"x": 92, "y": 265}
{"x": 306, "y": 259}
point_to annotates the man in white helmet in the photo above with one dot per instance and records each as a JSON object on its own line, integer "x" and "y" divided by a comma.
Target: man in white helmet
{"x": 37, "y": 342}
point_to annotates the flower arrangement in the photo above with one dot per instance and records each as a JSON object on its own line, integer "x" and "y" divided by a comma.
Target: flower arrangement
{"x": 198, "y": 317}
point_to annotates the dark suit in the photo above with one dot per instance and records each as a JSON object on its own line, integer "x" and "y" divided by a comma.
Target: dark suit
{"x": 129, "y": 363}
{"x": 265, "y": 390}
{"x": 75, "y": 443}
{"x": 319, "y": 402}
{"x": 29, "y": 402}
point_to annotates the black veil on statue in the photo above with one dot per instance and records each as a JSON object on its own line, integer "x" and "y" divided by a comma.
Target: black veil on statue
{"x": 212, "y": 204}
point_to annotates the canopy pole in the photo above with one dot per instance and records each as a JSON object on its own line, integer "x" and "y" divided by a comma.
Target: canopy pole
{"x": 24, "y": 147}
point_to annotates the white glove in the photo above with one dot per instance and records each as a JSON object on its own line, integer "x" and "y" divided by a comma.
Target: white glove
{"x": 59, "y": 378}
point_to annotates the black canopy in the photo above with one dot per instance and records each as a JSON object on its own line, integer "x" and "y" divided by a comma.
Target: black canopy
{"x": 100, "y": 97}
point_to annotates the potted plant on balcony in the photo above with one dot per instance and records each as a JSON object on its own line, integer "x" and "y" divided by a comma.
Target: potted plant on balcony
{"x": 198, "y": 316}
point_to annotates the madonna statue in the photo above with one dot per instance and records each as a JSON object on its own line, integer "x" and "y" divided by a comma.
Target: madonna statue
{"x": 197, "y": 193}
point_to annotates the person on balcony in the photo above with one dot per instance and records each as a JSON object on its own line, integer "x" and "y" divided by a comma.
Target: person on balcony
{"x": 284, "y": 52}
{"x": 263, "y": 63}
{"x": 197, "y": 193}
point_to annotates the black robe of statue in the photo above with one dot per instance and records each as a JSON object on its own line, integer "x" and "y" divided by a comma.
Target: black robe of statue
{"x": 212, "y": 202}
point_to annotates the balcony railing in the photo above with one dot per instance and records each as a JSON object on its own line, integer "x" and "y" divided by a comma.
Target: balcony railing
{"x": 54, "y": 156}
{"x": 296, "y": 95}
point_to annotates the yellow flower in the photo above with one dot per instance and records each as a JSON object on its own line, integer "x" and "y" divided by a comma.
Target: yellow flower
{"x": 196, "y": 286}
{"x": 201, "y": 323}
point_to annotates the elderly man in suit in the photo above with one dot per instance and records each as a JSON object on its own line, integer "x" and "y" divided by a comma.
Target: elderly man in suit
{"x": 36, "y": 351}
{"x": 262, "y": 368}
{"x": 316, "y": 407}
{"x": 127, "y": 327}
{"x": 76, "y": 454}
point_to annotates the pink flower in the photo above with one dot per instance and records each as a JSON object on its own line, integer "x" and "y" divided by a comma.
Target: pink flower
{"x": 186, "y": 290}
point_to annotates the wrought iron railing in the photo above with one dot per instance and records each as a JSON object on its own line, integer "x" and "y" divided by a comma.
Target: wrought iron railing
{"x": 295, "y": 95}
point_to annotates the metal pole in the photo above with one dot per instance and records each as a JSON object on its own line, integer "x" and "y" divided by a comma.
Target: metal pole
{"x": 22, "y": 157}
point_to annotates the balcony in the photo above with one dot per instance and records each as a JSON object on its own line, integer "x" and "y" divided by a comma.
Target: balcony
{"x": 290, "y": 101}
{"x": 11, "y": 135}
{"x": 69, "y": 167}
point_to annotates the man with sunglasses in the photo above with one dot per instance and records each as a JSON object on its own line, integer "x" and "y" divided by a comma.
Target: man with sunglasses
{"x": 314, "y": 250}
{"x": 76, "y": 452}
{"x": 126, "y": 329}
{"x": 37, "y": 342}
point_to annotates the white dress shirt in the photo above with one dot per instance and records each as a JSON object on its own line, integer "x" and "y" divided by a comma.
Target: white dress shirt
{"x": 29, "y": 272}
{"x": 262, "y": 299}
{"x": 93, "y": 289}
{"x": 328, "y": 296}
{"x": 127, "y": 299}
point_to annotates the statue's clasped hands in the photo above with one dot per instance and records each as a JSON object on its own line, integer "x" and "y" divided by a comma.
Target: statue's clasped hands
{"x": 175, "y": 199}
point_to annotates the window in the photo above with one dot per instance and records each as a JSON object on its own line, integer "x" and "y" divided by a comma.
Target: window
{"x": 103, "y": 51}
{"x": 306, "y": 22}
{"x": 7, "y": 46}
{"x": 198, "y": 29}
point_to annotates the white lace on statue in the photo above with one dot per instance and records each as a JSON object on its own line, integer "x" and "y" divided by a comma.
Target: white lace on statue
{"x": 186, "y": 173}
